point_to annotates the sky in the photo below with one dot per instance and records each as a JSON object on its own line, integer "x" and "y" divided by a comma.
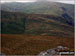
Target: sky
{"x": 62, "y": 1}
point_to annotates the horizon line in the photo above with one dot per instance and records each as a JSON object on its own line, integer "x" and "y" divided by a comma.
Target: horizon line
{"x": 67, "y": 2}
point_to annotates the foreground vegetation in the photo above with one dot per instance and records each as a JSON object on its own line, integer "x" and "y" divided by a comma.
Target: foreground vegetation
{"x": 31, "y": 45}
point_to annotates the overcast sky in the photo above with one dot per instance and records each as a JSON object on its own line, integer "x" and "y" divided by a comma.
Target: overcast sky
{"x": 62, "y": 1}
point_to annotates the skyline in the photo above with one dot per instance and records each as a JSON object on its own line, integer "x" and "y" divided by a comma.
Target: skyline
{"x": 64, "y": 1}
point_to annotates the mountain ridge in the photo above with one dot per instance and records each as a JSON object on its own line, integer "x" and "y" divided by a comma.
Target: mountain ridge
{"x": 36, "y": 7}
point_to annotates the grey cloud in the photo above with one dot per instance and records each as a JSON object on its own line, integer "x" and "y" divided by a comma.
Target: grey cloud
{"x": 37, "y": 0}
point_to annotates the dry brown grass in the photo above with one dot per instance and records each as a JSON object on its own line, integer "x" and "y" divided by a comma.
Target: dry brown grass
{"x": 16, "y": 44}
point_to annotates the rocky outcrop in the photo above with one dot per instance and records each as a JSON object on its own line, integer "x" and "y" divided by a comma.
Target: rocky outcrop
{"x": 54, "y": 51}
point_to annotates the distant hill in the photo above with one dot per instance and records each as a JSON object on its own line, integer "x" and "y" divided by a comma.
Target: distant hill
{"x": 39, "y": 8}
{"x": 38, "y": 18}
{"x": 35, "y": 24}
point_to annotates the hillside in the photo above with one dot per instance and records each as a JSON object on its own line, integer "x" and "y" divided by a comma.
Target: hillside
{"x": 39, "y": 24}
{"x": 53, "y": 8}
{"x": 30, "y": 28}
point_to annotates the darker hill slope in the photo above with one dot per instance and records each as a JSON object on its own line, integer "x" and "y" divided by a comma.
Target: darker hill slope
{"x": 39, "y": 24}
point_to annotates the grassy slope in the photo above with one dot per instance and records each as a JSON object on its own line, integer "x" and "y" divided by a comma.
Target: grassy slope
{"x": 39, "y": 24}
{"x": 39, "y": 8}
{"x": 60, "y": 32}
{"x": 32, "y": 45}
